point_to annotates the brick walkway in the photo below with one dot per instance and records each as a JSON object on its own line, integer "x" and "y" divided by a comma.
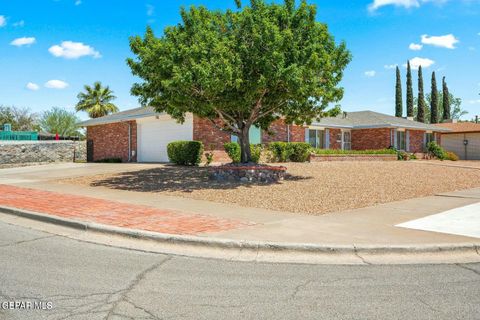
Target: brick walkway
{"x": 113, "y": 213}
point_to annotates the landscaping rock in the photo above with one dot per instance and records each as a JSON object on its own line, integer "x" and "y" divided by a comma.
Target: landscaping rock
{"x": 247, "y": 173}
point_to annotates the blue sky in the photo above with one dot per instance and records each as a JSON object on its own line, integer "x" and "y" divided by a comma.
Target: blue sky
{"x": 50, "y": 48}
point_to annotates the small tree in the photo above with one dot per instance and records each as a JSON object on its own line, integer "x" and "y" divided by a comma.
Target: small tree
{"x": 96, "y": 100}
{"x": 241, "y": 68}
{"x": 455, "y": 106}
{"x": 58, "y": 120}
{"x": 434, "y": 101}
{"x": 446, "y": 101}
{"x": 398, "y": 95}
{"x": 409, "y": 91}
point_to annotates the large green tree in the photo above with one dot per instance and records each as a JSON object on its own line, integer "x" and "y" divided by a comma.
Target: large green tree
{"x": 96, "y": 100}
{"x": 398, "y": 95}
{"x": 434, "y": 100}
{"x": 61, "y": 121}
{"x": 409, "y": 91}
{"x": 446, "y": 101}
{"x": 241, "y": 68}
{"x": 421, "y": 97}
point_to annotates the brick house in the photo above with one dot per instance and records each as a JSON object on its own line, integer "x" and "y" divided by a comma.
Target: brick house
{"x": 142, "y": 134}
{"x": 463, "y": 139}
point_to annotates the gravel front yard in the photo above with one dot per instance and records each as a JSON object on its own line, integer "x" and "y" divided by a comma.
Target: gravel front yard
{"x": 313, "y": 188}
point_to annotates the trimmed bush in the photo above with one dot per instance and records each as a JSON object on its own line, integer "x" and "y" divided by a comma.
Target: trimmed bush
{"x": 451, "y": 156}
{"x": 436, "y": 151}
{"x": 290, "y": 151}
{"x": 185, "y": 153}
{"x": 234, "y": 152}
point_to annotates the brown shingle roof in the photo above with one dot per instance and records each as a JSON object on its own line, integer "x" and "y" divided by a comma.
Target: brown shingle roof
{"x": 461, "y": 127}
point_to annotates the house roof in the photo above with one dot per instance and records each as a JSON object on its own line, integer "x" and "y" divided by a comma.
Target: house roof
{"x": 461, "y": 127}
{"x": 371, "y": 119}
{"x": 127, "y": 115}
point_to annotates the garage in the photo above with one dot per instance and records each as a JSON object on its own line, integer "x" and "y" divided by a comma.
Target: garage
{"x": 155, "y": 133}
{"x": 463, "y": 140}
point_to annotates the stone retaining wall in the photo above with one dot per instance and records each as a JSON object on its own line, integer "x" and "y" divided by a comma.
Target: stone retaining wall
{"x": 352, "y": 157}
{"x": 19, "y": 152}
{"x": 265, "y": 174}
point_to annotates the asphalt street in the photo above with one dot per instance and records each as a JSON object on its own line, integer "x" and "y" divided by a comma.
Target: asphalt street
{"x": 71, "y": 279}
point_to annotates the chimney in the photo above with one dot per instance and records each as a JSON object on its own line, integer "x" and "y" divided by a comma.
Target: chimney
{"x": 476, "y": 119}
{"x": 345, "y": 114}
{"x": 409, "y": 118}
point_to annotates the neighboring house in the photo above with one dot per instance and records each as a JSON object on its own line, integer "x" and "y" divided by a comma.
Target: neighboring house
{"x": 142, "y": 134}
{"x": 463, "y": 139}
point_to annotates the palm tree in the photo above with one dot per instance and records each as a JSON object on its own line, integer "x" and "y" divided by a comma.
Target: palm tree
{"x": 96, "y": 101}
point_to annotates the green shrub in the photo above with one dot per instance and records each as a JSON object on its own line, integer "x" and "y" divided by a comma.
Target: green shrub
{"x": 290, "y": 151}
{"x": 234, "y": 152}
{"x": 436, "y": 151}
{"x": 335, "y": 151}
{"x": 109, "y": 160}
{"x": 451, "y": 156}
{"x": 413, "y": 156}
{"x": 402, "y": 155}
{"x": 186, "y": 153}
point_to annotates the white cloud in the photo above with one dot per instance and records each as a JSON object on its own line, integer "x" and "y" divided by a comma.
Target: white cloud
{"x": 56, "y": 84}
{"x": 3, "y": 21}
{"x": 474, "y": 101}
{"x": 415, "y": 46}
{"x": 398, "y": 3}
{"x": 20, "y": 23}
{"x": 447, "y": 41}
{"x": 32, "y": 86}
{"x": 390, "y": 66}
{"x": 73, "y": 50}
{"x": 401, "y": 3}
{"x": 150, "y": 10}
{"x": 78, "y": 2}
{"x": 24, "y": 41}
{"x": 370, "y": 73}
{"x": 417, "y": 62}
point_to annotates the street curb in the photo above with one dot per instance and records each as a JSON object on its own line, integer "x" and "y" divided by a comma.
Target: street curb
{"x": 245, "y": 244}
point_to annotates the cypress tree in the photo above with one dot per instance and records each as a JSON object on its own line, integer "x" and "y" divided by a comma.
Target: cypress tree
{"x": 398, "y": 96}
{"x": 434, "y": 102}
{"x": 421, "y": 97}
{"x": 409, "y": 91}
{"x": 446, "y": 101}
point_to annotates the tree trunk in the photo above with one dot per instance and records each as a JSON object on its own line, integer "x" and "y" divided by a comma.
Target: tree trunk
{"x": 244, "y": 141}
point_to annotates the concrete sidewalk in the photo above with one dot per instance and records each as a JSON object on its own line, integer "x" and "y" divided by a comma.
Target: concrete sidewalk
{"x": 374, "y": 226}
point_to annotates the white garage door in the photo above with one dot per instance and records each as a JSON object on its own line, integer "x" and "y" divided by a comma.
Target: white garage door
{"x": 153, "y": 136}
{"x": 455, "y": 143}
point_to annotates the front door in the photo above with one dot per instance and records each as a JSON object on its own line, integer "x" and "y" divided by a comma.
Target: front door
{"x": 346, "y": 140}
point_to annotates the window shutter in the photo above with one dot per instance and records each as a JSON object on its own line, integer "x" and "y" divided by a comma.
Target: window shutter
{"x": 327, "y": 139}
{"x": 407, "y": 147}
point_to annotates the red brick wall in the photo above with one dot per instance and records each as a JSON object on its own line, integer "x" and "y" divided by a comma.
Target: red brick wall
{"x": 364, "y": 139}
{"x": 416, "y": 140}
{"x": 206, "y": 132}
{"x": 278, "y": 131}
{"x": 111, "y": 140}
{"x": 335, "y": 139}
{"x": 297, "y": 133}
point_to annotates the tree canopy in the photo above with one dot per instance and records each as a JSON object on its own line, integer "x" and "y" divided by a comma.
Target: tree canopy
{"x": 96, "y": 100}
{"x": 21, "y": 119}
{"x": 455, "y": 103}
{"x": 245, "y": 67}
{"x": 61, "y": 121}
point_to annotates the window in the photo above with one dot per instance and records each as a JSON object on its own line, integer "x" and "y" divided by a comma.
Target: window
{"x": 401, "y": 140}
{"x": 316, "y": 138}
{"x": 255, "y": 135}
